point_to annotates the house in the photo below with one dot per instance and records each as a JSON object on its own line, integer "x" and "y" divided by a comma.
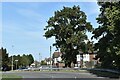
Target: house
{"x": 32, "y": 65}
{"x": 86, "y": 60}
{"x": 48, "y": 61}
{"x": 57, "y": 60}
{"x": 35, "y": 64}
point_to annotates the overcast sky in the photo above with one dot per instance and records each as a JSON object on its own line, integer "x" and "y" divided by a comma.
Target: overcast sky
{"x": 23, "y": 24}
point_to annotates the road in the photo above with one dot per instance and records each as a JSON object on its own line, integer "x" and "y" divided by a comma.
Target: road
{"x": 57, "y": 76}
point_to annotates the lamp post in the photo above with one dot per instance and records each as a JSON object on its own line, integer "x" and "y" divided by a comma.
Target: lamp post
{"x": 39, "y": 59}
{"x": 16, "y": 63}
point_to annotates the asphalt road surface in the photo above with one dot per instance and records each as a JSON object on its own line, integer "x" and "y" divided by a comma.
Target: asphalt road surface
{"x": 57, "y": 76}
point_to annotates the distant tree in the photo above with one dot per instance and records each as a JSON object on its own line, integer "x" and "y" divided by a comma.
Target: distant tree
{"x": 30, "y": 57}
{"x": 68, "y": 26}
{"x": 43, "y": 62}
{"x": 25, "y": 60}
{"x": 5, "y": 59}
{"x": 108, "y": 34}
{"x": 15, "y": 57}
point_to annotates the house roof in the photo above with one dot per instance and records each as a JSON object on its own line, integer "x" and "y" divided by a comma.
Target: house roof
{"x": 56, "y": 54}
{"x": 88, "y": 52}
{"x": 48, "y": 59}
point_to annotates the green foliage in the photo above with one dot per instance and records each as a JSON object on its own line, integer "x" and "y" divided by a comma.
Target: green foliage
{"x": 108, "y": 33}
{"x": 89, "y": 64}
{"x": 30, "y": 57}
{"x": 10, "y": 77}
{"x": 68, "y": 26}
{"x": 25, "y": 60}
{"x": 43, "y": 62}
{"x": 4, "y": 58}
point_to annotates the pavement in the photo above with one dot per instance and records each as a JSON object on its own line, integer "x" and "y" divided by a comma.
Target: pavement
{"x": 37, "y": 75}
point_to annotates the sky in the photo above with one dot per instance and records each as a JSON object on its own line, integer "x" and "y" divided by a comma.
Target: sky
{"x": 23, "y": 25}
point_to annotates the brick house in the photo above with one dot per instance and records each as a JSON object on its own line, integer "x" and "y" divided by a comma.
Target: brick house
{"x": 88, "y": 59}
{"x": 48, "y": 60}
{"x": 57, "y": 60}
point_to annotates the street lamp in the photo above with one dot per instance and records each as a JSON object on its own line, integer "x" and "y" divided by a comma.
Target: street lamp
{"x": 39, "y": 60}
{"x": 16, "y": 63}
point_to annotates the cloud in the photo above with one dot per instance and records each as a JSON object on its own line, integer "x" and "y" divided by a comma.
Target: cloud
{"x": 28, "y": 13}
{"x": 31, "y": 15}
{"x": 90, "y": 9}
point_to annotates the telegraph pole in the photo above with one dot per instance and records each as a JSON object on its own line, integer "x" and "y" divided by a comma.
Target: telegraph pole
{"x": 12, "y": 61}
{"x": 12, "y": 64}
{"x": 39, "y": 60}
{"x": 51, "y": 58}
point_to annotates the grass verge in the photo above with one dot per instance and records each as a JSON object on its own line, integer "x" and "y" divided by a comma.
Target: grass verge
{"x": 81, "y": 71}
{"x": 11, "y": 77}
{"x": 105, "y": 74}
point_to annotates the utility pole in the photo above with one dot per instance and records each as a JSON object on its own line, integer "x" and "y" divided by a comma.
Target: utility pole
{"x": 50, "y": 58}
{"x": 12, "y": 64}
{"x": 12, "y": 60}
{"x": 39, "y": 59}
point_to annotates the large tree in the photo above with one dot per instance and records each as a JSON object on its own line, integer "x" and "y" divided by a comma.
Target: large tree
{"x": 5, "y": 60}
{"x": 68, "y": 26}
{"x": 108, "y": 34}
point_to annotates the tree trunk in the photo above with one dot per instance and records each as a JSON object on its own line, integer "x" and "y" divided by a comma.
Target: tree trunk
{"x": 65, "y": 65}
{"x": 69, "y": 64}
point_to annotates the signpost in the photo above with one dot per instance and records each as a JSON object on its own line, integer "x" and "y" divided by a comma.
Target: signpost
{"x": 78, "y": 59}
{"x": 16, "y": 63}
